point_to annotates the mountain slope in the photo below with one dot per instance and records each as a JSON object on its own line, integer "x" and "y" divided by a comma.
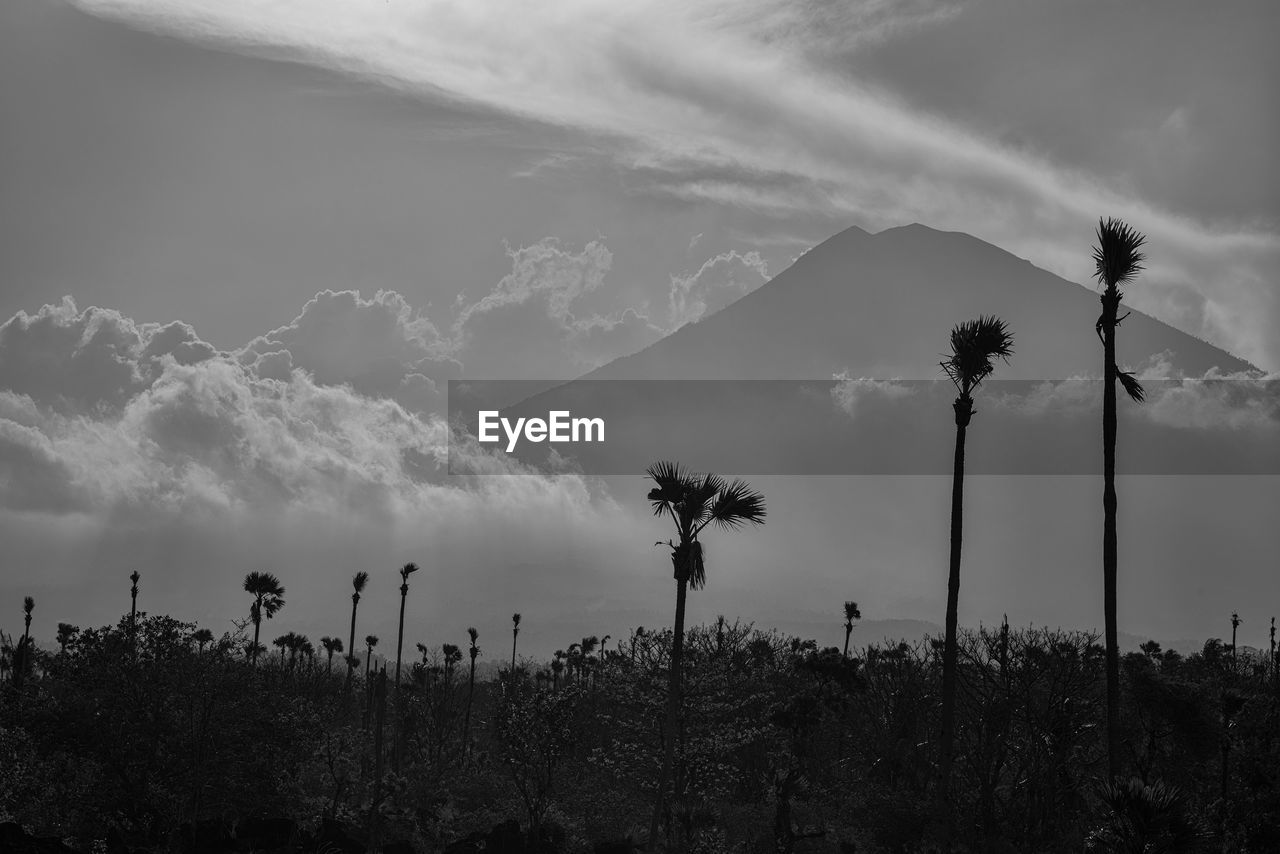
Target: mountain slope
{"x": 881, "y": 306}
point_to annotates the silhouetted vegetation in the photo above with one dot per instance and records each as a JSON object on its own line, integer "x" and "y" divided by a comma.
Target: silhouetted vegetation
{"x": 158, "y": 736}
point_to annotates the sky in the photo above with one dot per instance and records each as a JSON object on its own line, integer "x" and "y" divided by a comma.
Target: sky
{"x": 243, "y": 244}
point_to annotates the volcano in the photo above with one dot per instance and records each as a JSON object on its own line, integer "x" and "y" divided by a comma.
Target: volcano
{"x": 881, "y": 305}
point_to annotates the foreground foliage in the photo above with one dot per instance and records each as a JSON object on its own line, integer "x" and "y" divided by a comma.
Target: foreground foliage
{"x": 158, "y": 736}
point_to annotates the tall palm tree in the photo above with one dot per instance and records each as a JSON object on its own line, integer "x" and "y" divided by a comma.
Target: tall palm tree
{"x": 693, "y": 502}
{"x": 974, "y": 346}
{"x": 471, "y": 690}
{"x": 28, "y": 605}
{"x": 268, "y": 598}
{"x": 331, "y": 645}
{"x": 515, "y": 633}
{"x": 358, "y": 582}
{"x": 1117, "y": 260}
{"x": 1235, "y": 624}
{"x": 405, "y": 571}
{"x": 851, "y": 613}
{"x": 370, "y": 641}
{"x": 133, "y": 595}
{"x": 202, "y": 637}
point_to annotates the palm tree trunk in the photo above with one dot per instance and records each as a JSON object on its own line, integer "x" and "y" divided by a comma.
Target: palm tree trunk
{"x": 848, "y": 630}
{"x": 1110, "y": 560}
{"x": 257, "y": 629}
{"x": 404, "y": 592}
{"x": 673, "y": 712}
{"x": 351, "y": 645}
{"x": 950, "y": 651}
{"x": 466, "y": 722}
{"x": 513, "y": 654}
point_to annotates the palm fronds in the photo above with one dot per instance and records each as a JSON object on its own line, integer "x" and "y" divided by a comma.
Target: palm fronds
{"x": 1117, "y": 257}
{"x": 974, "y": 346}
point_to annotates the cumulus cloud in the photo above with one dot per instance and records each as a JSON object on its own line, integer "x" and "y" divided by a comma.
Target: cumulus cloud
{"x": 374, "y": 344}
{"x": 535, "y": 312}
{"x": 720, "y": 280}
{"x": 91, "y": 360}
{"x": 850, "y": 393}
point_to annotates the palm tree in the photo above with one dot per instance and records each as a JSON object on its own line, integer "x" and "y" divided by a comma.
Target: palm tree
{"x": 268, "y": 598}
{"x": 358, "y": 582}
{"x": 28, "y": 605}
{"x": 202, "y": 637}
{"x": 282, "y": 643}
{"x": 133, "y": 594}
{"x": 851, "y": 613}
{"x": 370, "y": 641}
{"x": 693, "y": 502}
{"x": 1235, "y": 624}
{"x": 1117, "y": 259}
{"x": 515, "y": 633}
{"x": 557, "y": 667}
{"x": 405, "y": 571}
{"x": 66, "y": 634}
{"x": 471, "y": 690}
{"x": 974, "y": 344}
{"x": 331, "y": 645}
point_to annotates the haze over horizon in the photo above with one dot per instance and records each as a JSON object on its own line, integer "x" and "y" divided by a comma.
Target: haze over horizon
{"x": 244, "y": 245}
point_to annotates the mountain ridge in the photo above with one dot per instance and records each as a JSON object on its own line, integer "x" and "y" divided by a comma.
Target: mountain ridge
{"x": 875, "y": 305}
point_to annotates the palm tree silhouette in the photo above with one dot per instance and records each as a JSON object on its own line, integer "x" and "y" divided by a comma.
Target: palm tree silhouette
{"x": 133, "y": 595}
{"x": 405, "y": 571}
{"x": 358, "y": 582}
{"x": 331, "y": 645}
{"x": 370, "y": 641}
{"x": 66, "y": 634}
{"x": 515, "y": 633}
{"x": 282, "y": 643}
{"x": 693, "y": 502}
{"x": 1235, "y": 624}
{"x": 974, "y": 344}
{"x": 557, "y": 667}
{"x": 268, "y": 598}
{"x": 471, "y": 690}
{"x": 202, "y": 637}
{"x": 1117, "y": 259}
{"x": 851, "y": 613}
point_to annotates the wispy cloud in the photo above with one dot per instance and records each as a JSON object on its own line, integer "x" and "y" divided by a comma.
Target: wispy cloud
{"x": 741, "y": 105}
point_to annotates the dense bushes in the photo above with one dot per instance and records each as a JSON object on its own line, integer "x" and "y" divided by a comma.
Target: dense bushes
{"x": 159, "y": 739}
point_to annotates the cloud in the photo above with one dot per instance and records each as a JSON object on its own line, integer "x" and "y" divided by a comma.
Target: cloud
{"x": 373, "y": 344}
{"x": 748, "y": 105}
{"x": 535, "y": 312}
{"x": 91, "y": 360}
{"x": 849, "y": 393}
{"x": 721, "y": 280}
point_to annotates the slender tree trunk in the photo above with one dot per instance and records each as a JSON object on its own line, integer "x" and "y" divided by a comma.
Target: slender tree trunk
{"x": 1110, "y": 559}
{"x": 466, "y": 721}
{"x": 672, "y": 727}
{"x": 513, "y": 653}
{"x": 848, "y": 630}
{"x": 351, "y": 645}
{"x": 404, "y": 592}
{"x": 257, "y": 629}
{"x": 950, "y": 653}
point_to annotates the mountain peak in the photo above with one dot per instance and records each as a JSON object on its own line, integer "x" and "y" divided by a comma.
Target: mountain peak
{"x": 882, "y": 305}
